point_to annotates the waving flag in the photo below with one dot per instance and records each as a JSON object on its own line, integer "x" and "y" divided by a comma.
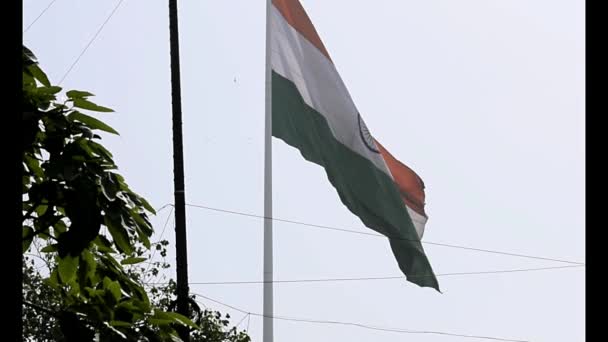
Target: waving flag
{"x": 313, "y": 112}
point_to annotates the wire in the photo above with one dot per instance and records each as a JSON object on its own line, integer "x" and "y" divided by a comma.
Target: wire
{"x": 331, "y": 280}
{"x": 359, "y": 325}
{"x": 161, "y": 235}
{"x": 91, "y": 41}
{"x": 39, "y": 16}
{"x": 165, "y": 226}
{"x": 378, "y": 235}
{"x": 403, "y": 331}
{"x": 242, "y": 319}
{"x": 383, "y": 278}
{"x": 224, "y": 304}
{"x": 163, "y": 208}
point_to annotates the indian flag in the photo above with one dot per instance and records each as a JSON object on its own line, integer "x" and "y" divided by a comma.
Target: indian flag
{"x": 313, "y": 112}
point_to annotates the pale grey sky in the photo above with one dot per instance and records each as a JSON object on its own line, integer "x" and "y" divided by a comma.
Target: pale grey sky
{"x": 483, "y": 98}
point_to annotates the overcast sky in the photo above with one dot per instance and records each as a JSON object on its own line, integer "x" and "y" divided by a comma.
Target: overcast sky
{"x": 483, "y": 98}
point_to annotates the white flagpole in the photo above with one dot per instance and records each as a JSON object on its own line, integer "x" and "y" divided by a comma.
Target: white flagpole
{"x": 268, "y": 334}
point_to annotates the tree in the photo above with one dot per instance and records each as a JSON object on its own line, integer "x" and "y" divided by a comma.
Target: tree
{"x": 88, "y": 228}
{"x": 41, "y": 325}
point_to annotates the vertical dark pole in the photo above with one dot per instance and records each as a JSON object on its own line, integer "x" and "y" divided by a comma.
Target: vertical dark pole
{"x": 178, "y": 173}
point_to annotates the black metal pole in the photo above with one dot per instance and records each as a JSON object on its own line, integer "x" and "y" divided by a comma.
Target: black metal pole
{"x": 178, "y": 174}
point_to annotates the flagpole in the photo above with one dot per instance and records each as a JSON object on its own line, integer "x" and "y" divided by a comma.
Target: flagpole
{"x": 181, "y": 255}
{"x": 267, "y": 332}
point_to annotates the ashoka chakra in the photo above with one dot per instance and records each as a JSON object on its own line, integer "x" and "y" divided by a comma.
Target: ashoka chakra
{"x": 366, "y": 136}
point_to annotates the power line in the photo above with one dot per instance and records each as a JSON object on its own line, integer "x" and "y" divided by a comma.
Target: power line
{"x": 504, "y": 253}
{"x": 331, "y": 280}
{"x": 161, "y": 234}
{"x": 402, "y": 331}
{"x": 359, "y": 325}
{"x": 350, "y": 231}
{"x": 224, "y": 304}
{"x": 242, "y": 319}
{"x": 91, "y": 41}
{"x": 327, "y": 280}
{"x": 163, "y": 208}
{"x": 39, "y": 16}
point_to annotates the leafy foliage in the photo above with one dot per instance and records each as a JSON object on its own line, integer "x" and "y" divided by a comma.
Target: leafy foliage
{"x": 212, "y": 325}
{"x": 41, "y": 321}
{"x": 39, "y": 324}
{"x": 89, "y": 228}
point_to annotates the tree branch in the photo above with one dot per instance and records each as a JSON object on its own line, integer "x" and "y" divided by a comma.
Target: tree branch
{"x": 39, "y": 308}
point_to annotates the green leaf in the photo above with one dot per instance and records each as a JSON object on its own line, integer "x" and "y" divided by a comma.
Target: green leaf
{"x": 86, "y": 104}
{"x": 74, "y": 288}
{"x": 147, "y": 205}
{"x": 123, "y": 185}
{"x": 119, "y": 234}
{"x": 92, "y": 122}
{"x": 142, "y": 223}
{"x": 182, "y": 319}
{"x": 132, "y": 260}
{"x": 39, "y": 75}
{"x": 91, "y": 292}
{"x": 49, "y": 249}
{"x": 48, "y": 90}
{"x": 83, "y": 143}
{"x": 77, "y": 94}
{"x": 33, "y": 165}
{"x": 136, "y": 307}
{"x": 41, "y": 209}
{"x": 103, "y": 244}
{"x": 61, "y": 210}
{"x": 79, "y": 158}
{"x": 100, "y": 150}
{"x": 160, "y": 322}
{"x": 53, "y": 279}
{"x": 28, "y": 235}
{"x": 115, "y": 290}
{"x": 113, "y": 287}
{"x": 28, "y": 56}
{"x": 89, "y": 263}
{"x": 28, "y": 81}
{"x": 158, "y": 314}
{"x": 144, "y": 238}
{"x": 109, "y": 188}
{"x": 121, "y": 324}
{"x": 106, "y": 282}
{"x": 59, "y": 228}
{"x": 67, "y": 268}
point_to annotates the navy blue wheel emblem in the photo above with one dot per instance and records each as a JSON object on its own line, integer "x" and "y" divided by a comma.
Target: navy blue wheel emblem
{"x": 366, "y": 136}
